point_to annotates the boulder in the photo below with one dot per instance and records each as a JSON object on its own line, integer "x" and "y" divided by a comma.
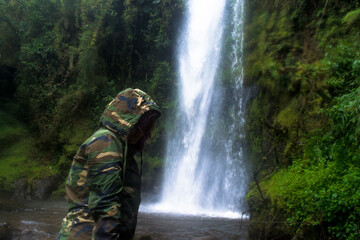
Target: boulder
{"x": 21, "y": 191}
{"x": 38, "y": 189}
{"x": 42, "y": 188}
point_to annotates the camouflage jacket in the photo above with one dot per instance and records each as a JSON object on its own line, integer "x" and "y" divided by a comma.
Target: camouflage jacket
{"x": 103, "y": 199}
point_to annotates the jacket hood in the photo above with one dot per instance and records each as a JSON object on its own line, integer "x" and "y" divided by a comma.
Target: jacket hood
{"x": 125, "y": 110}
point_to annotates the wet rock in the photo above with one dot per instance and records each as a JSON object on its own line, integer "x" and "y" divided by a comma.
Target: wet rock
{"x": 42, "y": 187}
{"x": 20, "y": 189}
{"x": 5, "y": 231}
{"x": 38, "y": 189}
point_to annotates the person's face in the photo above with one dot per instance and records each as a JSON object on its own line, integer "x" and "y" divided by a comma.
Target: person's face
{"x": 137, "y": 134}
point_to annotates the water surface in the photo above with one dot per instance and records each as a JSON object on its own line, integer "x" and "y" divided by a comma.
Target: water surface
{"x": 42, "y": 220}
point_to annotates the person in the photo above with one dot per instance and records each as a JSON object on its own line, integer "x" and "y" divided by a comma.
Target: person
{"x": 103, "y": 184}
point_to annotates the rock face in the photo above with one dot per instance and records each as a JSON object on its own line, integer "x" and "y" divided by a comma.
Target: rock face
{"x": 21, "y": 190}
{"x": 42, "y": 187}
{"x": 38, "y": 189}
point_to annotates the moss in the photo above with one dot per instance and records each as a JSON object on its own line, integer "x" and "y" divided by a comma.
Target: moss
{"x": 289, "y": 115}
{"x": 16, "y": 154}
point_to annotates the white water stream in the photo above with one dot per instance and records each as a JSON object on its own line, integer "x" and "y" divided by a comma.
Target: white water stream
{"x": 205, "y": 172}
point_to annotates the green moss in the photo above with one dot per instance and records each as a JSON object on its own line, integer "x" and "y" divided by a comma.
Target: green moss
{"x": 15, "y": 154}
{"x": 289, "y": 115}
{"x": 12, "y": 164}
{"x": 15, "y": 164}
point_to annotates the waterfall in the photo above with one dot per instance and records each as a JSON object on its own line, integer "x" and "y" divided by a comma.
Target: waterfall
{"x": 205, "y": 172}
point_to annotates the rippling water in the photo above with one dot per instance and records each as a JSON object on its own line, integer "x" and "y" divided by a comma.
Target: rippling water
{"x": 178, "y": 227}
{"x": 34, "y": 219}
{"x": 42, "y": 219}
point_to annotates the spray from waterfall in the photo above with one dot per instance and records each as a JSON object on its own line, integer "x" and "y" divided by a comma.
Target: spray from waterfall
{"x": 205, "y": 172}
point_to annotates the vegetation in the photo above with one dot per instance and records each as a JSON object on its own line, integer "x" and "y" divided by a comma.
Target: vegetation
{"x": 61, "y": 62}
{"x": 15, "y": 154}
{"x": 303, "y": 125}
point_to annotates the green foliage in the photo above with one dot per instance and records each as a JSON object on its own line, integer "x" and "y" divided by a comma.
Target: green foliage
{"x": 15, "y": 153}
{"x": 288, "y": 116}
{"x": 255, "y": 122}
{"x": 352, "y": 17}
{"x": 162, "y": 82}
{"x": 60, "y": 192}
{"x": 68, "y": 59}
{"x": 304, "y": 123}
{"x": 318, "y": 195}
{"x": 152, "y": 166}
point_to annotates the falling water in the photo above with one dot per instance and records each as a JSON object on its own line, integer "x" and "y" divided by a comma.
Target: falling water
{"x": 205, "y": 171}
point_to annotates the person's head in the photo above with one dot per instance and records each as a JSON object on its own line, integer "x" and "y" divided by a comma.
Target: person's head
{"x": 131, "y": 115}
{"x": 142, "y": 130}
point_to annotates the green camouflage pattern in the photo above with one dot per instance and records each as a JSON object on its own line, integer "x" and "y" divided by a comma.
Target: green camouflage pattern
{"x": 102, "y": 205}
{"x": 125, "y": 110}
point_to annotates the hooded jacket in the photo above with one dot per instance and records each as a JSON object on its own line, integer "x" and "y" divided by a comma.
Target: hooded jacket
{"x": 103, "y": 185}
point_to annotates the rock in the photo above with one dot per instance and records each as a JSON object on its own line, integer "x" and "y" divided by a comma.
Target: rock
{"x": 5, "y": 231}
{"x": 42, "y": 187}
{"x": 38, "y": 189}
{"x": 20, "y": 189}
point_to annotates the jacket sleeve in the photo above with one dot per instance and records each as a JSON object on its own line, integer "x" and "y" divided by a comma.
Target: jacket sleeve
{"x": 104, "y": 158}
